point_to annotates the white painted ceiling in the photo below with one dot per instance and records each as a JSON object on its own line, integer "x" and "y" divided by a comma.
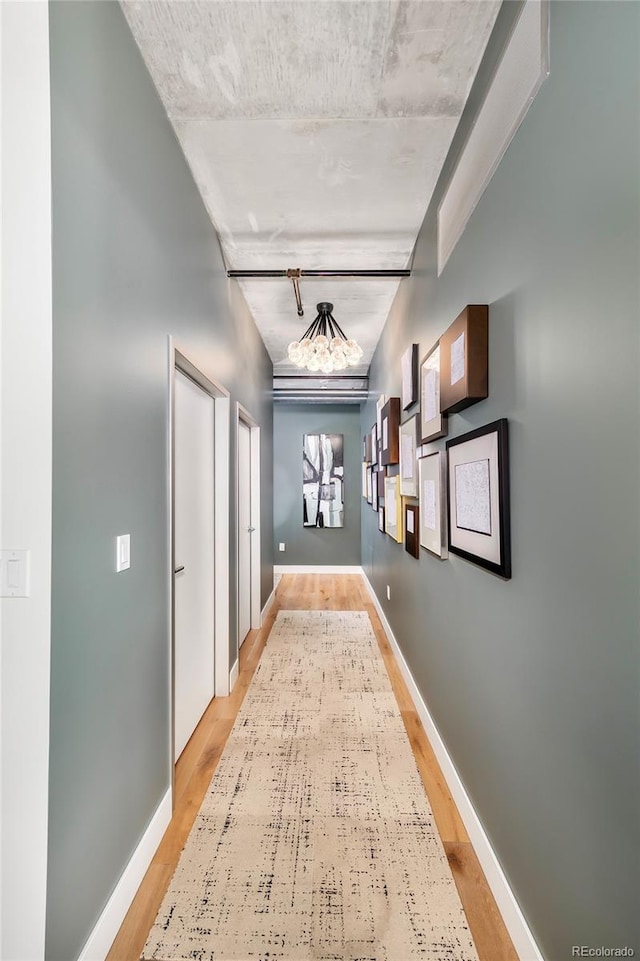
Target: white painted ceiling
{"x": 316, "y": 131}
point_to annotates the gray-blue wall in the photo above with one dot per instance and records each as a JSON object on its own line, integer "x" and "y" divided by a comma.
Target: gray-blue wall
{"x": 135, "y": 258}
{"x": 312, "y": 545}
{"x": 533, "y": 682}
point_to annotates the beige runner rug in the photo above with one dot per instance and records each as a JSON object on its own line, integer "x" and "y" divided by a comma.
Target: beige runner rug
{"x": 315, "y": 839}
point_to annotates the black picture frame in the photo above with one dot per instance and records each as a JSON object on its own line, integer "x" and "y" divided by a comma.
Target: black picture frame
{"x": 409, "y": 376}
{"x": 479, "y": 498}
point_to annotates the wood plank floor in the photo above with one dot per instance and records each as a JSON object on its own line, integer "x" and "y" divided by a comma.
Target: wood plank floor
{"x": 344, "y": 592}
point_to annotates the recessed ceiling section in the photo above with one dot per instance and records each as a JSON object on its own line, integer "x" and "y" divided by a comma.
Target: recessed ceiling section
{"x": 316, "y": 132}
{"x": 360, "y": 307}
{"x": 313, "y": 188}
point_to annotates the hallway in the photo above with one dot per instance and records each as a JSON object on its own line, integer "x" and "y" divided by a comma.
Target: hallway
{"x": 196, "y": 766}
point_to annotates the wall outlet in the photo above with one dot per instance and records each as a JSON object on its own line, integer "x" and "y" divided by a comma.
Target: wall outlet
{"x": 281, "y": 546}
{"x": 388, "y": 593}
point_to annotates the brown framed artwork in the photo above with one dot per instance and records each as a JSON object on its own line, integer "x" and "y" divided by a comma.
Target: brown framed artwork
{"x": 412, "y": 529}
{"x": 409, "y": 371}
{"x": 464, "y": 360}
{"x": 366, "y": 448}
{"x": 433, "y": 424}
{"x": 381, "y": 473}
{"x": 479, "y": 513}
{"x": 390, "y": 452}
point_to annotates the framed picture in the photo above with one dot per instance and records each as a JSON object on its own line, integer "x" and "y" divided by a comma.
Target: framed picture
{"x": 409, "y": 368}
{"x": 374, "y": 444}
{"x": 433, "y": 424}
{"x": 433, "y": 504}
{"x": 390, "y": 431}
{"x": 464, "y": 360}
{"x": 381, "y": 473}
{"x": 369, "y": 484}
{"x": 381, "y": 518}
{"x": 408, "y": 457}
{"x": 375, "y": 499}
{"x": 393, "y": 508}
{"x": 364, "y": 479}
{"x": 323, "y": 480}
{"x": 366, "y": 448}
{"x": 479, "y": 515}
{"x": 411, "y": 529}
{"x": 382, "y": 400}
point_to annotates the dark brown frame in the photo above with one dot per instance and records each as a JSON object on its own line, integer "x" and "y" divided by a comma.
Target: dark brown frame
{"x": 474, "y": 385}
{"x": 412, "y": 541}
{"x": 391, "y": 411}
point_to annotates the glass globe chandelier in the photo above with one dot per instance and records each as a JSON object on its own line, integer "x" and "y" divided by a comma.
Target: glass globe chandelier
{"x": 324, "y": 346}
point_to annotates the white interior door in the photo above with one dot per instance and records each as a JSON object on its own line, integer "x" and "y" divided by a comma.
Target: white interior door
{"x": 245, "y": 530}
{"x": 194, "y": 557}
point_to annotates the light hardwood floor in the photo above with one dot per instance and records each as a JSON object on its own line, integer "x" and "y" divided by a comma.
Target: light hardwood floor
{"x": 344, "y": 592}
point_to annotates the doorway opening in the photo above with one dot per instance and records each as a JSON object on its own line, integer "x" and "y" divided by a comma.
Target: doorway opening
{"x": 199, "y": 444}
{"x": 249, "y": 615}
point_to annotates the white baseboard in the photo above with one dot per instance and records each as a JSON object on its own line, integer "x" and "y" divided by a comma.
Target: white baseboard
{"x": 516, "y": 924}
{"x": 316, "y": 569}
{"x": 233, "y": 676}
{"x": 108, "y": 924}
{"x": 271, "y": 598}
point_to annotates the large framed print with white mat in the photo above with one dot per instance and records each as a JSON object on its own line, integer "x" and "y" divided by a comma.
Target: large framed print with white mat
{"x": 479, "y": 513}
{"x": 433, "y": 504}
{"x": 433, "y": 424}
{"x": 393, "y": 508}
{"x": 408, "y": 457}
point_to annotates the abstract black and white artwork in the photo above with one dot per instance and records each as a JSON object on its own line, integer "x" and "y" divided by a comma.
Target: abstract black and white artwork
{"x": 323, "y": 480}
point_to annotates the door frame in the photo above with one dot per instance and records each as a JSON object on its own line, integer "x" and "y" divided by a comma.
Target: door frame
{"x": 197, "y": 370}
{"x": 243, "y": 415}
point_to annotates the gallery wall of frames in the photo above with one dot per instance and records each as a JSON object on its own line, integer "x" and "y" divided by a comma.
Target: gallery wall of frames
{"x": 431, "y": 494}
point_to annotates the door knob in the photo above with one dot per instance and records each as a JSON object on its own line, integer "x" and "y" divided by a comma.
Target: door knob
{"x": 251, "y": 529}
{"x": 178, "y": 570}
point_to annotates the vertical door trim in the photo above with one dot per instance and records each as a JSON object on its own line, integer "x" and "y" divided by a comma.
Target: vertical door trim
{"x": 179, "y": 359}
{"x": 243, "y": 415}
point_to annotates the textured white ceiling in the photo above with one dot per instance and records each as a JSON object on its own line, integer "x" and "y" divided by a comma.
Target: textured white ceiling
{"x": 316, "y": 132}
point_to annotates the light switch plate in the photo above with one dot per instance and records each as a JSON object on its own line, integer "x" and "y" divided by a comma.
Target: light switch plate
{"x": 281, "y": 546}
{"x": 123, "y": 552}
{"x": 14, "y": 573}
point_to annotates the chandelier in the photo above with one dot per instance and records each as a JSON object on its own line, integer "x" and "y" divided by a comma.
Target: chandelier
{"x": 324, "y": 346}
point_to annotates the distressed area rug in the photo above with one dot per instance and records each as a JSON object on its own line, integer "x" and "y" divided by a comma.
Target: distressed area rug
{"x": 315, "y": 839}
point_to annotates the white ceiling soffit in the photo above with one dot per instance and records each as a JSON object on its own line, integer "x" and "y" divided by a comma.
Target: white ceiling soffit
{"x": 316, "y": 131}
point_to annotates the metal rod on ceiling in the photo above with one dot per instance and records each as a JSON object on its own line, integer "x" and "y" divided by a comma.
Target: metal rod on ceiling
{"x": 296, "y": 291}
{"x": 294, "y": 275}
